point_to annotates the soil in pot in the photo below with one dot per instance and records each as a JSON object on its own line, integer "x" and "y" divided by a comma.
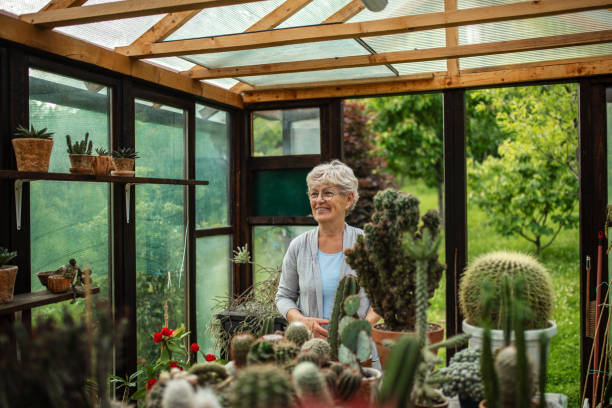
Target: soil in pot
{"x": 435, "y": 334}
{"x": 124, "y": 167}
{"x": 102, "y": 165}
{"x": 32, "y": 154}
{"x": 81, "y": 163}
{"x": 8, "y": 274}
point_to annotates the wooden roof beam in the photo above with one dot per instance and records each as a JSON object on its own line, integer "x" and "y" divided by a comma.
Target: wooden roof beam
{"x": 452, "y": 39}
{"x": 60, "y": 4}
{"x": 120, "y": 9}
{"x": 397, "y": 57}
{"x": 327, "y": 32}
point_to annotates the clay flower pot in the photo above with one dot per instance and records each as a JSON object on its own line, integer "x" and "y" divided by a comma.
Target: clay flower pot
{"x": 32, "y": 154}
{"x": 102, "y": 165}
{"x": 81, "y": 163}
{"x": 58, "y": 284}
{"x": 365, "y": 395}
{"x": 8, "y": 274}
{"x": 124, "y": 167}
{"x": 435, "y": 334}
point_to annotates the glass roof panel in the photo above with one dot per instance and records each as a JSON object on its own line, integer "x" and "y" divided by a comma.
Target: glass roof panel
{"x": 536, "y": 27}
{"x": 317, "y": 76}
{"x": 226, "y": 83}
{"x": 420, "y": 67}
{"x": 399, "y": 9}
{"x": 463, "y": 4}
{"x": 224, "y": 20}
{"x": 173, "y": 63}
{"x": 315, "y": 12}
{"x": 285, "y": 53}
{"x": 22, "y": 6}
{"x": 407, "y": 41}
{"x": 536, "y": 56}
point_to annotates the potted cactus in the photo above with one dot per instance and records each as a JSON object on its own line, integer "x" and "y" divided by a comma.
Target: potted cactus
{"x": 80, "y": 155}
{"x": 387, "y": 269}
{"x": 32, "y": 149}
{"x": 124, "y": 158}
{"x": 8, "y": 273}
{"x": 102, "y": 164}
{"x": 462, "y": 378}
{"x": 487, "y": 274}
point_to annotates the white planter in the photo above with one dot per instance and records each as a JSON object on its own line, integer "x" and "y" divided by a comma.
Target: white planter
{"x": 532, "y": 340}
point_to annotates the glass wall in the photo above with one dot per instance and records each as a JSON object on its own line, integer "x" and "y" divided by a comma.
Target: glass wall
{"x": 270, "y": 244}
{"x": 69, "y": 219}
{"x": 160, "y": 134}
{"x": 286, "y": 132}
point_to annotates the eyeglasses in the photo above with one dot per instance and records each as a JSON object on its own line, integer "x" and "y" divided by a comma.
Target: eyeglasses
{"x": 325, "y": 194}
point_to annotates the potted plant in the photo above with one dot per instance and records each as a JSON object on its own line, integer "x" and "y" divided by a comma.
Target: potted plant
{"x": 102, "y": 164}
{"x": 462, "y": 378}
{"x": 124, "y": 161}
{"x": 487, "y": 274}
{"x": 80, "y": 155}
{"x": 387, "y": 269}
{"x": 32, "y": 149}
{"x": 8, "y": 273}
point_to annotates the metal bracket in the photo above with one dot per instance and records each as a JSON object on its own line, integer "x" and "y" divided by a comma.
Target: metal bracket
{"x": 18, "y": 195}
{"x": 128, "y": 192}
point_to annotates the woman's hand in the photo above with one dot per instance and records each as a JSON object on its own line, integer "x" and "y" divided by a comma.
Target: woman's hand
{"x": 314, "y": 324}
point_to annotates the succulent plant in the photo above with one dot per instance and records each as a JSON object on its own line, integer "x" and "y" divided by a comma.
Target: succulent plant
{"x": 284, "y": 351}
{"x": 348, "y": 383}
{"x": 320, "y": 347}
{"x": 310, "y": 384}
{"x": 262, "y": 386}
{"x": 346, "y": 287}
{"x": 102, "y": 151}
{"x": 462, "y": 376}
{"x": 82, "y": 147}
{"x": 125, "y": 153}
{"x": 298, "y": 333}
{"x": 209, "y": 373}
{"x": 6, "y": 256}
{"x": 273, "y": 338}
{"x": 240, "y": 347}
{"x": 355, "y": 335}
{"x": 309, "y": 355}
{"x": 331, "y": 378}
{"x": 398, "y": 378}
{"x": 33, "y": 133}
{"x": 385, "y": 268}
{"x": 261, "y": 351}
{"x": 493, "y": 268}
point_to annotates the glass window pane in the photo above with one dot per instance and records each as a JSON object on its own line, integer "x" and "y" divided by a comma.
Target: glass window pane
{"x": 160, "y": 226}
{"x": 271, "y": 242}
{"x": 286, "y": 132}
{"x": 212, "y": 281}
{"x": 281, "y": 192}
{"x": 69, "y": 106}
{"x": 212, "y": 164}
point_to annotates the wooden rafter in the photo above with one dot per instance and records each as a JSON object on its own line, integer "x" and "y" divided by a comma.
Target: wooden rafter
{"x": 428, "y": 54}
{"x": 120, "y": 9}
{"x": 60, "y": 4}
{"x": 165, "y": 27}
{"x": 490, "y": 76}
{"x": 327, "y": 32}
{"x": 452, "y": 39}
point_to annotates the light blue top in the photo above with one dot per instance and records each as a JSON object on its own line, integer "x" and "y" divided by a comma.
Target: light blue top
{"x": 330, "y": 266}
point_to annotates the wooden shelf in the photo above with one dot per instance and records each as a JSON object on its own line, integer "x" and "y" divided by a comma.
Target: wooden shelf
{"x": 30, "y": 300}
{"x": 29, "y": 176}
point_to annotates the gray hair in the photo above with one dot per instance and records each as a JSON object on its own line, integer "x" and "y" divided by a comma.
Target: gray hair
{"x": 335, "y": 173}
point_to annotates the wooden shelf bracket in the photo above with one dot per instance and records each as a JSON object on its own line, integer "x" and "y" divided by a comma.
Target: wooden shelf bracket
{"x": 18, "y": 196}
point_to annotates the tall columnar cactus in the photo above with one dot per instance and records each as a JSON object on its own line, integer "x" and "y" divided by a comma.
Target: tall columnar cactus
{"x": 262, "y": 386}
{"x": 209, "y": 373}
{"x": 398, "y": 378}
{"x": 298, "y": 333}
{"x": 346, "y": 287}
{"x": 494, "y": 267}
{"x": 240, "y": 347}
{"x": 310, "y": 384}
{"x": 385, "y": 267}
{"x": 355, "y": 335}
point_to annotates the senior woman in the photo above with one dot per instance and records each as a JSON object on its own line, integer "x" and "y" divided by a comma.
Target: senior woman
{"x": 314, "y": 262}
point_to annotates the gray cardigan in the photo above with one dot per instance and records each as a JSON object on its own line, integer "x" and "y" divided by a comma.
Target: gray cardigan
{"x": 301, "y": 277}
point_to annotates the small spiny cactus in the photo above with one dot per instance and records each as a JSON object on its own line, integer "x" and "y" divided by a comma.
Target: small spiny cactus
{"x": 262, "y": 386}
{"x": 320, "y": 347}
{"x": 240, "y": 347}
{"x": 261, "y": 351}
{"x": 348, "y": 383}
{"x": 309, "y": 355}
{"x": 331, "y": 378}
{"x": 209, "y": 373}
{"x": 298, "y": 333}
{"x": 82, "y": 147}
{"x": 284, "y": 351}
{"x": 310, "y": 384}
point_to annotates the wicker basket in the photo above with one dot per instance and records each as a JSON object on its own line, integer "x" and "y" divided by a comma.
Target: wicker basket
{"x": 43, "y": 276}
{"x": 58, "y": 284}
{"x": 7, "y": 282}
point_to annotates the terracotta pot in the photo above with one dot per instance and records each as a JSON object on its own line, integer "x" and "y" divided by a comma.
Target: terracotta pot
{"x": 8, "y": 274}
{"x": 58, "y": 284}
{"x": 435, "y": 334}
{"x": 81, "y": 163}
{"x": 102, "y": 165}
{"x": 32, "y": 154}
{"x": 367, "y": 390}
{"x": 124, "y": 167}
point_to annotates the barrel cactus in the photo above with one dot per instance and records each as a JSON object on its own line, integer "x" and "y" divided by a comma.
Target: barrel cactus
{"x": 320, "y": 347}
{"x": 240, "y": 347}
{"x": 310, "y": 356}
{"x": 262, "y": 386}
{"x": 493, "y": 268}
{"x": 209, "y": 373}
{"x": 284, "y": 351}
{"x": 310, "y": 384}
{"x": 298, "y": 333}
{"x": 262, "y": 351}
{"x": 348, "y": 383}
{"x": 346, "y": 287}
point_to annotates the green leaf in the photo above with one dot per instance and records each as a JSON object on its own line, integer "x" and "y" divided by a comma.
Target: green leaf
{"x": 140, "y": 394}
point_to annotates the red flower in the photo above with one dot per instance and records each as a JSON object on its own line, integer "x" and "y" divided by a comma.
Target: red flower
{"x": 151, "y": 383}
{"x": 166, "y": 332}
{"x": 194, "y": 347}
{"x": 157, "y": 337}
{"x": 174, "y": 364}
{"x": 210, "y": 357}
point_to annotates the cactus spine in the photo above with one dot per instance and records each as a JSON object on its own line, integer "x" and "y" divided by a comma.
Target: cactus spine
{"x": 262, "y": 386}
{"x": 298, "y": 333}
{"x": 496, "y": 266}
{"x": 310, "y": 384}
{"x": 209, "y": 373}
{"x": 240, "y": 347}
{"x": 346, "y": 287}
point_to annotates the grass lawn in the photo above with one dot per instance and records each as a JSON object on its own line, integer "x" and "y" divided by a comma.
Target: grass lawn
{"x": 561, "y": 259}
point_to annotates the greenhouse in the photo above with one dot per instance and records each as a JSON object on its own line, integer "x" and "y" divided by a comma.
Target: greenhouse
{"x": 305, "y": 203}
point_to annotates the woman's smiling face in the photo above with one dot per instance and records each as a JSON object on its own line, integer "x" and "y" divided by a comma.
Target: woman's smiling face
{"x": 328, "y": 203}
